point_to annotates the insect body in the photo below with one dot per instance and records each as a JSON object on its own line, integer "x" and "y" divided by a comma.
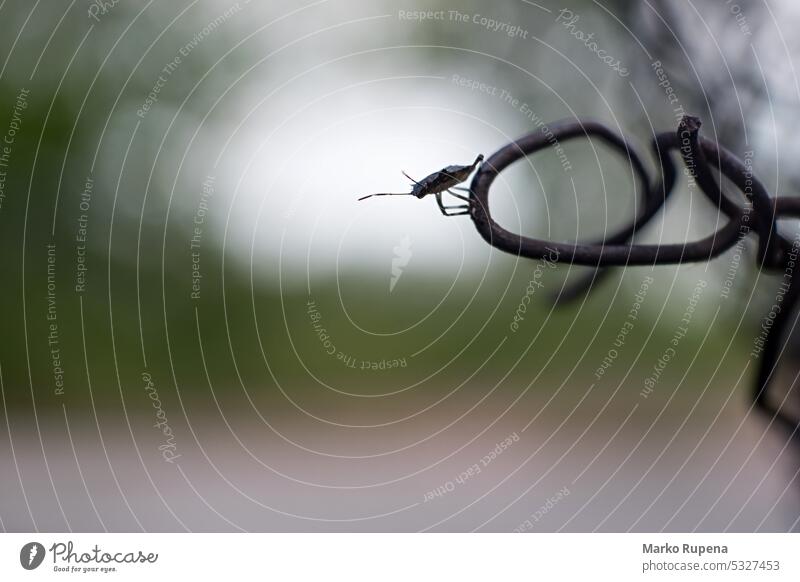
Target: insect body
{"x": 445, "y": 180}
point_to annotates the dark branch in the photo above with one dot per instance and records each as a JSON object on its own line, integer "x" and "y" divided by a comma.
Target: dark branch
{"x": 703, "y": 160}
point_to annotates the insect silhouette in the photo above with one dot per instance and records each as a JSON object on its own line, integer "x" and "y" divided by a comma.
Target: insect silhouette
{"x": 445, "y": 180}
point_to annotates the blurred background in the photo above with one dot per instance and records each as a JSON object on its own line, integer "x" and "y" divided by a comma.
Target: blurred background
{"x": 204, "y": 330}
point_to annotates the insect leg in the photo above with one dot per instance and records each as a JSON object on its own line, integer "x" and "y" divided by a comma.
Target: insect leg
{"x": 459, "y": 196}
{"x": 444, "y": 209}
{"x": 461, "y": 210}
{"x": 440, "y": 203}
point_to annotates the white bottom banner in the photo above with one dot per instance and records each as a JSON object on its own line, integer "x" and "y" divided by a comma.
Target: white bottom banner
{"x": 355, "y": 557}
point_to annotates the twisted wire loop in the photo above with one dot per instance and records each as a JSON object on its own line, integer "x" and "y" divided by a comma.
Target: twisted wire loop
{"x": 703, "y": 159}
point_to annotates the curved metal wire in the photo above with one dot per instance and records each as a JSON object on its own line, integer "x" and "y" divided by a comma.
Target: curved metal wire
{"x": 703, "y": 160}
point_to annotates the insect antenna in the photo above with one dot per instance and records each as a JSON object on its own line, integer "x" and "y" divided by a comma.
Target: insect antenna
{"x": 412, "y": 179}
{"x": 386, "y": 194}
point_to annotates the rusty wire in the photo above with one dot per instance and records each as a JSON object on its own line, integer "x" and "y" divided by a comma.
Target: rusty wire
{"x": 757, "y": 214}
